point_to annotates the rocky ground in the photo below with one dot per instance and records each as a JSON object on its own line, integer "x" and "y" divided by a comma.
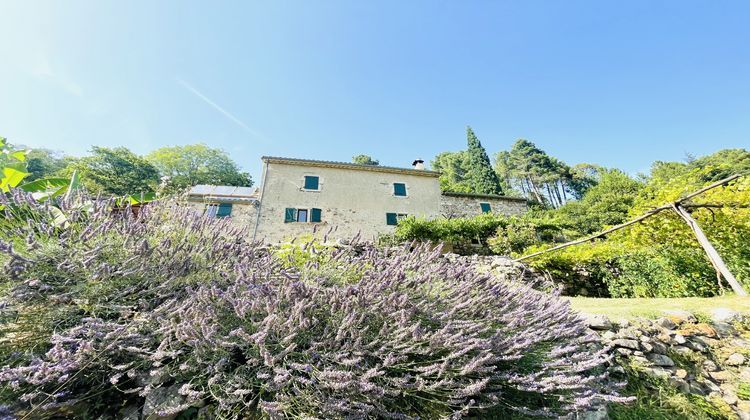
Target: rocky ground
{"x": 707, "y": 357}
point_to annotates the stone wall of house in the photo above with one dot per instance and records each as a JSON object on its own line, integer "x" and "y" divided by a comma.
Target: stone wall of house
{"x": 352, "y": 200}
{"x": 243, "y": 214}
{"x": 460, "y": 205}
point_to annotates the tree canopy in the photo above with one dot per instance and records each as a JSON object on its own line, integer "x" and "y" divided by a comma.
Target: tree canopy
{"x": 116, "y": 171}
{"x": 453, "y": 168}
{"x": 479, "y": 173}
{"x": 365, "y": 160}
{"x": 185, "y": 166}
{"x": 541, "y": 177}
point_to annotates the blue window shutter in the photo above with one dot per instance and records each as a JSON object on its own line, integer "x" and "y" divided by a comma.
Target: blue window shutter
{"x": 311, "y": 182}
{"x": 391, "y": 219}
{"x": 290, "y": 215}
{"x": 315, "y": 215}
{"x": 399, "y": 189}
{"x": 225, "y": 209}
{"x": 485, "y": 207}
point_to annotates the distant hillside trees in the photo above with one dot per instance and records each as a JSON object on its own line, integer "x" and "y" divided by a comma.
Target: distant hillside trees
{"x": 541, "y": 177}
{"x": 467, "y": 171}
{"x": 116, "y": 171}
{"x": 120, "y": 171}
{"x": 480, "y": 176}
{"x": 185, "y": 166}
{"x": 365, "y": 160}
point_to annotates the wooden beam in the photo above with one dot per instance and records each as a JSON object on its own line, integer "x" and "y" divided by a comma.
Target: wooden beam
{"x": 711, "y": 252}
{"x": 597, "y": 235}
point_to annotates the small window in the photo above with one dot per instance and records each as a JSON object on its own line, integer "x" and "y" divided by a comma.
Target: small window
{"x": 485, "y": 207}
{"x": 392, "y": 219}
{"x": 311, "y": 182}
{"x": 399, "y": 189}
{"x": 225, "y": 210}
{"x": 292, "y": 215}
{"x": 219, "y": 210}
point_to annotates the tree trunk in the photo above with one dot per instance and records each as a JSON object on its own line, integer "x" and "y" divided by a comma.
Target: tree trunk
{"x": 552, "y": 199}
{"x": 562, "y": 187}
{"x": 535, "y": 189}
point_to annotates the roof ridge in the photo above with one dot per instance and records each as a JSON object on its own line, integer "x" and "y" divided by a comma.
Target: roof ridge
{"x": 350, "y": 165}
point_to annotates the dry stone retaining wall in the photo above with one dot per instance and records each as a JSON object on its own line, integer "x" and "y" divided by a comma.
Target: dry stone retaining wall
{"x": 706, "y": 359}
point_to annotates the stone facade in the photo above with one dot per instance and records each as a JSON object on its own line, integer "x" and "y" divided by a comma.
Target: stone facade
{"x": 243, "y": 214}
{"x": 347, "y": 199}
{"x": 353, "y": 199}
{"x": 239, "y": 204}
{"x": 467, "y": 205}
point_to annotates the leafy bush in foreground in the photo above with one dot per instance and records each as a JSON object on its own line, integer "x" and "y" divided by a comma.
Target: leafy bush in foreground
{"x": 124, "y": 307}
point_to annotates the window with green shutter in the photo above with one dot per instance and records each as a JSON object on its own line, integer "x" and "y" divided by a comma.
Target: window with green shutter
{"x": 391, "y": 219}
{"x": 290, "y": 215}
{"x": 311, "y": 182}
{"x": 315, "y": 215}
{"x": 485, "y": 207}
{"x": 224, "y": 210}
{"x": 399, "y": 189}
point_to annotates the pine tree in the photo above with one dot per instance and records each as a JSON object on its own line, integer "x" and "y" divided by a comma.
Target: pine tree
{"x": 480, "y": 175}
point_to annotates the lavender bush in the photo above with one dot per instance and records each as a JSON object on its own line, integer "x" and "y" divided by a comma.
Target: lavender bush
{"x": 109, "y": 309}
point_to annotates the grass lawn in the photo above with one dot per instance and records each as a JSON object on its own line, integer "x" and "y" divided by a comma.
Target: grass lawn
{"x": 653, "y": 307}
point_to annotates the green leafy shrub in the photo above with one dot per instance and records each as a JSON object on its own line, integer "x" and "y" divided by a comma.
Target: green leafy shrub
{"x": 514, "y": 236}
{"x": 477, "y": 228}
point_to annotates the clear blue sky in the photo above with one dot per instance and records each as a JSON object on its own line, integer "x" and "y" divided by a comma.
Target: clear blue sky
{"x": 615, "y": 83}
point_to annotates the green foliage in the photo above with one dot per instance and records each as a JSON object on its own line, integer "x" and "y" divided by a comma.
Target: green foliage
{"x": 365, "y": 160}
{"x": 453, "y": 167}
{"x": 661, "y": 271}
{"x": 13, "y": 164}
{"x": 658, "y": 400}
{"x": 477, "y": 228}
{"x": 116, "y": 171}
{"x": 185, "y": 166}
{"x": 514, "y": 236}
{"x": 479, "y": 173}
{"x": 45, "y": 163}
{"x": 743, "y": 390}
{"x": 606, "y": 203}
{"x": 541, "y": 177}
{"x": 660, "y": 256}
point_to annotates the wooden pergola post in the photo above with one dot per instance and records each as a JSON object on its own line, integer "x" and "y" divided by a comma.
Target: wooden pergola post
{"x": 711, "y": 252}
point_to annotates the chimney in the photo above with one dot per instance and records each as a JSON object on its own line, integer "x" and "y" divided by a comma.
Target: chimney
{"x": 418, "y": 164}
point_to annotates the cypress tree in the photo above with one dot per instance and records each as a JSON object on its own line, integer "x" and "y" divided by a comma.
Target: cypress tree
{"x": 480, "y": 175}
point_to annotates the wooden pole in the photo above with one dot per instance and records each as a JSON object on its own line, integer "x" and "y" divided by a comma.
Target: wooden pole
{"x": 713, "y": 256}
{"x": 636, "y": 220}
{"x": 597, "y": 235}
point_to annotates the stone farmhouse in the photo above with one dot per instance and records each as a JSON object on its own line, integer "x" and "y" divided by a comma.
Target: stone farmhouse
{"x": 300, "y": 196}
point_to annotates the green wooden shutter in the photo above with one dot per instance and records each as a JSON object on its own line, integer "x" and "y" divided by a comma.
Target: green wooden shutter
{"x": 485, "y": 207}
{"x": 391, "y": 219}
{"x": 225, "y": 209}
{"x": 289, "y": 215}
{"x": 311, "y": 182}
{"x": 399, "y": 189}
{"x": 315, "y": 215}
